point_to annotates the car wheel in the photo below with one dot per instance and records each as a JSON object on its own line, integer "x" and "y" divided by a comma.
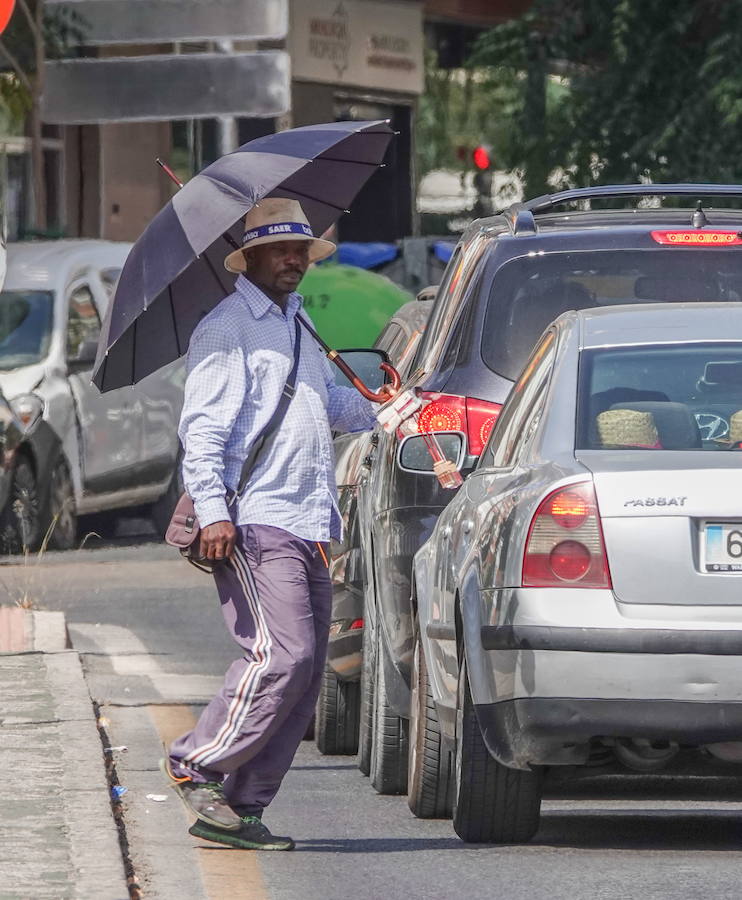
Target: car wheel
{"x": 492, "y": 804}
{"x": 366, "y": 715}
{"x": 336, "y": 720}
{"x": 19, "y": 521}
{"x": 388, "y": 769}
{"x": 161, "y": 510}
{"x": 429, "y": 782}
{"x": 60, "y": 521}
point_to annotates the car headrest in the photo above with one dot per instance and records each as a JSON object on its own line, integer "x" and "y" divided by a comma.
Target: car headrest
{"x": 556, "y": 296}
{"x": 735, "y": 427}
{"x": 675, "y": 290}
{"x": 676, "y": 426}
{"x": 627, "y": 428}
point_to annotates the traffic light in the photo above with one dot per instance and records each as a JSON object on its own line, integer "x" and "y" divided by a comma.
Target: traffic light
{"x": 482, "y": 158}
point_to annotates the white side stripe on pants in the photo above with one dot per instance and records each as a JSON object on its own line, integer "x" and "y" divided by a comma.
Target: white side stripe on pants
{"x": 243, "y": 696}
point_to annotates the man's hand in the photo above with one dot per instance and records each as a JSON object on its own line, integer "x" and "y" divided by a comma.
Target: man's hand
{"x": 386, "y": 392}
{"x": 217, "y": 540}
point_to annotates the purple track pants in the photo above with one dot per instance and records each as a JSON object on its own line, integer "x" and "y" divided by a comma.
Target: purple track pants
{"x": 275, "y": 595}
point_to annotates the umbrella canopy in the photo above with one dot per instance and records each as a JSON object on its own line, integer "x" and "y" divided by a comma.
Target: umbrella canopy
{"x": 349, "y": 306}
{"x": 174, "y": 274}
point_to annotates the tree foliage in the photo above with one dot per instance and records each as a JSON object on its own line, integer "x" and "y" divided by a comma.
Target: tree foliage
{"x": 652, "y": 91}
{"x": 462, "y": 108}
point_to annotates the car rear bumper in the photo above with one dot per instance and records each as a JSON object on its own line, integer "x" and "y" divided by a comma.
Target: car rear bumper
{"x": 553, "y": 731}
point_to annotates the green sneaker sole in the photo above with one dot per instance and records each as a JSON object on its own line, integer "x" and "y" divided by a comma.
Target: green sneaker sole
{"x": 235, "y": 839}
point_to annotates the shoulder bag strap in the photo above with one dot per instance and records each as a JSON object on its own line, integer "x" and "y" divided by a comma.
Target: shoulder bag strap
{"x": 287, "y": 393}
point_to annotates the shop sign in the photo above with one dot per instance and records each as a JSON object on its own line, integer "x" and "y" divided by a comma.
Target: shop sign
{"x": 154, "y": 21}
{"x": 163, "y": 88}
{"x": 358, "y": 42}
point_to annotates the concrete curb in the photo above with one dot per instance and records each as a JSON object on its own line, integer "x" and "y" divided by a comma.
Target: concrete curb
{"x": 49, "y": 631}
{"x": 95, "y": 863}
{"x": 93, "y": 835}
{"x": 25, "y": 630}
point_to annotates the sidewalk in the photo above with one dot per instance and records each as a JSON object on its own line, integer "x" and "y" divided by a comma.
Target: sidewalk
{"x": 58, "y": 838}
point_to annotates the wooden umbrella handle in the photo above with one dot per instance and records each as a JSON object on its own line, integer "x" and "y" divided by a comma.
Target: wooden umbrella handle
{"x": 396, "y": 381}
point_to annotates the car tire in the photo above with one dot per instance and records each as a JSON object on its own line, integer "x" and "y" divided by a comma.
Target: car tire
{"x": 19, "y": 520}
{"x": 60, "y": 521}
{"x": 161, "y": 510}
{"x": 430, "y": 764}
{"x": 492, "y": 804}
{"x": 366, "y": 713}
{"x": 388, "y": 769}
{"x": 337, "y": 716}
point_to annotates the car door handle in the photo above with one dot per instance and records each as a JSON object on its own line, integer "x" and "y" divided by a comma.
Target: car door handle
{"x": 467, "y": 525}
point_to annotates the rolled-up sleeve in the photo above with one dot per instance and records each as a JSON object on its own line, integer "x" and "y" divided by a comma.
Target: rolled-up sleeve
{"x": 347, "y": 410}
{"x": 215, "y": 390}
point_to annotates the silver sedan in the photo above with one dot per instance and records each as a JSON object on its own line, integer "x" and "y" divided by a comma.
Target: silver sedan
{"x": 580, "y": 600}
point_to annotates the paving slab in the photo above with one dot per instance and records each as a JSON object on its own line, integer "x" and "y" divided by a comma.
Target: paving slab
{"x": 57, "y": 832}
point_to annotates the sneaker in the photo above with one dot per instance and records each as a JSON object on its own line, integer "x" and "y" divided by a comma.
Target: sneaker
{"x": 253, "y": 835}
{"x": 205, "y": 800}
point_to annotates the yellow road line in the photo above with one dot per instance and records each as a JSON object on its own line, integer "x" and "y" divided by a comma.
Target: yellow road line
{"x": 226, "y": 872}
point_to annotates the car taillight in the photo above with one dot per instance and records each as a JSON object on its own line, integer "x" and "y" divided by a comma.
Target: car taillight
{"x": 705, "y": 238}
{"x": 565, "y": 546}
{"x": 446, "y": 412}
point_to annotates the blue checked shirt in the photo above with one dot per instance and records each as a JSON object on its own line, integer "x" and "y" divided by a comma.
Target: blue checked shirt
{"x": 239, "y": 358}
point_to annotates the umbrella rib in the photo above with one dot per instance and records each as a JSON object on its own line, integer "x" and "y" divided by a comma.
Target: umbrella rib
{"x": 291, "y": 190}
{"x": 134, "y": 351}
{"x": 350, "y": 162}
{"x": 175, "y": 321}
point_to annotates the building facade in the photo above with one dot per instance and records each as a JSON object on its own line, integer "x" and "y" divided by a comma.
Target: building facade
{"x": 192, "y": 87}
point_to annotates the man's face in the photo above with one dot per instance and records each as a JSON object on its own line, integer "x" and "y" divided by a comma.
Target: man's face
{"x": 280, "y": 266}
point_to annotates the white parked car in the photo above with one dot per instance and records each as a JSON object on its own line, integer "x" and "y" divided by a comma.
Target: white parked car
{"x": 118, "y": 449}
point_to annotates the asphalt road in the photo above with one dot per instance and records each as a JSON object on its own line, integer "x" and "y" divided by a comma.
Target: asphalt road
{"x": 154, "y": 647}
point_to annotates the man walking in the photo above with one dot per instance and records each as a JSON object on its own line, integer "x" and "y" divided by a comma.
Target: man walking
{"x": 274, "y": 588}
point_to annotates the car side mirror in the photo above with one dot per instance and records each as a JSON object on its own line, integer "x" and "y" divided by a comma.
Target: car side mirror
{"x": 85, "y": 356}
{"x": 413, "y": 454}
{"x": 365, "y": 363}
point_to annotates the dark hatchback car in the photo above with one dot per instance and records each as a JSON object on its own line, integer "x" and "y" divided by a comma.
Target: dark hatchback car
{"x": 337, "y": 715}
{"x": 509, "y": 277}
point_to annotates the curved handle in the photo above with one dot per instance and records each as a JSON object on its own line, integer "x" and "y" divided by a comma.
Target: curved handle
{"x": 396, "y": 381}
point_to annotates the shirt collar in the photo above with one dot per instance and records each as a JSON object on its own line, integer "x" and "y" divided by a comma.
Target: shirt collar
{"x": 260, "y": 304}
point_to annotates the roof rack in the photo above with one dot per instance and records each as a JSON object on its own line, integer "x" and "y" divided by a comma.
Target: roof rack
{"x": 539, "y": 204}
{"x": 521, "y": 220}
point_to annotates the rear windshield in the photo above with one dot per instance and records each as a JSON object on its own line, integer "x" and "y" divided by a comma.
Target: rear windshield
{"x": 25, "y": 327}
{"x": 529, "y": 292}
{"x": 661, "y": 397}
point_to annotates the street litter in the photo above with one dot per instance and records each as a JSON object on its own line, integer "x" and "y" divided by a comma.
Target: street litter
{"x": 158, "y": 798}
{"x": 118, "y": 791}
{"x": 114, "y": 749}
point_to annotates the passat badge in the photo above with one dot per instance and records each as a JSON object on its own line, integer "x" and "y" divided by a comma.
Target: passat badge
{"x": 656, "y": 501}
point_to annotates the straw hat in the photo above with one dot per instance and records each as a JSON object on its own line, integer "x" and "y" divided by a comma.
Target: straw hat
{"x": 627, "y": 428}
{"x": 276, "y": 219}
{"x": 735, "y": 428}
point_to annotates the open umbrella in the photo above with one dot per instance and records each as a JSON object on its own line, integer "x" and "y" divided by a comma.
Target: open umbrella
{"x": 174, "y": 274}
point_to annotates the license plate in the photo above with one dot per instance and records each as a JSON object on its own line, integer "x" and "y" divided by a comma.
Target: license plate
{"x": 722, "y": 547}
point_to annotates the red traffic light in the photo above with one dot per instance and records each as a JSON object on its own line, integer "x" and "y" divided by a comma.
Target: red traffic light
{"x": 6, "y": 11}
{"x": 481, "y": 157}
